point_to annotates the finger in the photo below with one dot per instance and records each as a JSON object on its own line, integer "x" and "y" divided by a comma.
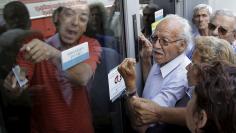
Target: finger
{"x": 14, "y": 82}
{"x": 36, "y": 47}
{"x": 27, "y": 47}
{"x": 39, "y": 55}
{"x": 41, "y": 58}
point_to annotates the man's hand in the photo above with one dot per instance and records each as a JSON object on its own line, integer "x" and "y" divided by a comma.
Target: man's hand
{"x": 145, "y": 111}
{"x": 127, "y": 71}
{"x": 37, "y": 51}
{"x": 146, "y": 51}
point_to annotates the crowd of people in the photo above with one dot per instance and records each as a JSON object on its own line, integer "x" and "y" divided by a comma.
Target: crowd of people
{"x": 190, "y": 76}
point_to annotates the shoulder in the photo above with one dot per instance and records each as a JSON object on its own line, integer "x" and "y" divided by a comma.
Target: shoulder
{"x": 88, "y": 39}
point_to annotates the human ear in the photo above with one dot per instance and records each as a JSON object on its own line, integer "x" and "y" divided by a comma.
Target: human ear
{"x": 202, "y": 119}
{"x": 182, "y": 46}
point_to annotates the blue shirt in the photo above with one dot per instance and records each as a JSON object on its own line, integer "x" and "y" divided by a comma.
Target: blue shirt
{"x": 167, "y": 84}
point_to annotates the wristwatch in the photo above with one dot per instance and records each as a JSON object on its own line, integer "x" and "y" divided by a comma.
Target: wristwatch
{"x": 130, "y": 94}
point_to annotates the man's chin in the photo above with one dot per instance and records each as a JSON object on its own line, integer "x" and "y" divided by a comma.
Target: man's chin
{"x": 68, "y": 41}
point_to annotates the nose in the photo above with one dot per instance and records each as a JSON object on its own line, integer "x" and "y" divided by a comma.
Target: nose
{"x": 157, "y": 44}
{"x": 75, "y": 20}
{"x": 215, "y": 32}
{"x": 200, "y": 18}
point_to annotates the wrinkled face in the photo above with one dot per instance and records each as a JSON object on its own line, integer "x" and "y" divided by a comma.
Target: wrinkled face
{"x": 167, "y": 44}
{"x": 72, "y": 24}
{"x": 191, "y": 117}
{"x": 192, "y": 74}
{"x": 222, "y": 27}
{"x": 201, "y": 19}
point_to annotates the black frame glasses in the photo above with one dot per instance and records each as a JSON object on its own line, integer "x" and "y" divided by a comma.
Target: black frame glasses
{"x": 163, "y": 42}
{"x": 221, "y": 30}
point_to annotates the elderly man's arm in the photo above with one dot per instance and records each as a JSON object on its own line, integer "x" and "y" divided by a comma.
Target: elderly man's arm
{"x": 37, "y": 51}
{"x": 146, "y": 56}
{"x": 149, "y": 112}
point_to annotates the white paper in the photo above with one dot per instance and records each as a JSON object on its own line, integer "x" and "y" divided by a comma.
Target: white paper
{"x": 16, "y": 71}
{"x": 74, "y": 55}
{"x": 116, "y": 84}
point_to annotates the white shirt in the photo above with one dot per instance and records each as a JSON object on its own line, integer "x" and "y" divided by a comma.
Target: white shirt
{"x": 234, "y": 46}
{"x": 167, "y": 84}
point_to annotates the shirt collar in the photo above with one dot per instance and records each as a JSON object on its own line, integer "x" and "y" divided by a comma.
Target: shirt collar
{"x": 55, "y": 41}
{"x": 170, "y": 66}
{"x": 234, "y": 43}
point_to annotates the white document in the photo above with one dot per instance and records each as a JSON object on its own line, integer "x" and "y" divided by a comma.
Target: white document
{"x": 74, "y": 55}
{"x": 16, "y": 70}
{"x": 116, "y": 84}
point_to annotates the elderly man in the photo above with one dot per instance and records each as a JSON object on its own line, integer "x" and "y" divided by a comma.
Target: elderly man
{"x": 223, "y": 25}
{"x": 60, "y": 102}
{"x": 201, "y": 18}
{"x": 149, "y": 112}
{"x": 167, "y": 80}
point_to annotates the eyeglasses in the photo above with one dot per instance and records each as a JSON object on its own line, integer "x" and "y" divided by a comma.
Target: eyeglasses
{"x": 221, "y": 30}
{"x": 163, "y": 42}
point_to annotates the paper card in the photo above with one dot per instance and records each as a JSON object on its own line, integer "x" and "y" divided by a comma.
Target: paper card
{"x": 116, "y": 84}
{"x": 16, "y": 71}
{"x": 74, "y": 55}
{"x": 159, "y": 15}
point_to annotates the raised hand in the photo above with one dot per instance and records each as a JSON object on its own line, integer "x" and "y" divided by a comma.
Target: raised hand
{"x": 127, "y": 71}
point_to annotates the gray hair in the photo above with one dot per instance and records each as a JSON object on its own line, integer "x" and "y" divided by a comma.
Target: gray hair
{"x": 212, "y": 48}
{"x": 224, "y": 12}
{"x": 201, "y": 7}
{"x": 187, "y": 30}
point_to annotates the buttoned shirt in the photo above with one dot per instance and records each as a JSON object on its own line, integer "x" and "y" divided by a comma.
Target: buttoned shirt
{"x": 167, "y": 84}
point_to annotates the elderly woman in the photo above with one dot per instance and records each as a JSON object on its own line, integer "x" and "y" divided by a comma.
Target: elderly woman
{"x": 212, "y": 107}
{"x": 208, "y": 49}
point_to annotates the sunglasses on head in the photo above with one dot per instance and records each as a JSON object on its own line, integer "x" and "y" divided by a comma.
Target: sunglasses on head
{"x": 220, "y": 29}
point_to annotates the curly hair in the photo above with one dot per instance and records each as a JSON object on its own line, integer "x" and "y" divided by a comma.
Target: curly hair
{"x": 216, "y": 94}
{"x": 212, "y": 49}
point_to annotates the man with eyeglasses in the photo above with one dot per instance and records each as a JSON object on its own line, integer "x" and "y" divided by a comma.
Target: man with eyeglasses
{"x": 223, "y": 25}
{"x": 167, "y": 81}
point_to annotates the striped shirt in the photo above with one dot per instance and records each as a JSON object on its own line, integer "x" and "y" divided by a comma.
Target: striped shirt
{"x": 51, "y": 113}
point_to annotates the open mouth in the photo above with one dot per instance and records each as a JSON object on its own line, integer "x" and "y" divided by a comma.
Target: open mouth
{"x": 157, "y": 53}
{"x": 72, "y": 32}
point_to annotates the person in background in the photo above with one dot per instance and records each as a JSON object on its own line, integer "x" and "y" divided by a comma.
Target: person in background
{"x": 167, "y": 79}
{"x": 212, "y": 106}
{"x": 223, "y": 25}
{"x": 98, "y": 26}
{"x": 201, "y": 18}
{"x": 16, "y": 15}
{"x": 16, "y": 111}
{"x": 60, "y": 102}
{"x": 148, "y": 18}
{"x": 208, "y": 49}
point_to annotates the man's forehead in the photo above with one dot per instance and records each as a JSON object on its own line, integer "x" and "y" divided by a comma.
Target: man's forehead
{"x": 78, "y": 8}
{"x": 202, "y": 11}
{"x": 167, "y": 25}
{"x": 223, "y": 20}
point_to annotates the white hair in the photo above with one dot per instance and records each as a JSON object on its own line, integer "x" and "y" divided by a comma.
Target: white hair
{"x": 187, "y": 30}
{"x": 224, "y": 12}
{"x": 202, "y": 6}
